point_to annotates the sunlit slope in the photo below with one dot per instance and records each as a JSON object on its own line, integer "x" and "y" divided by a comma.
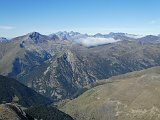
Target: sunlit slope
{"x": 133, "y": 96}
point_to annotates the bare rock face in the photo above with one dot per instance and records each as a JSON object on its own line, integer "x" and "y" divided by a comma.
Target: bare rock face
{"x": 13, "y": 112}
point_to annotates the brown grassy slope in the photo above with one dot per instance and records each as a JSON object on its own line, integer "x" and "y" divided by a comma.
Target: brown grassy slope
{"x": 133, "y": 96}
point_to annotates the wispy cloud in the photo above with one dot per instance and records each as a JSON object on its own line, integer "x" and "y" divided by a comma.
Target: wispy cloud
{"x": 92, "y": 41}
{"x": 6, "y": 27}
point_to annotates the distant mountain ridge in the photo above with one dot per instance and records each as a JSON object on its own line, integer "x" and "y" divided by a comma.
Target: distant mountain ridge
{"x": 82, "y": 38}
{"x": 97, "y": 39}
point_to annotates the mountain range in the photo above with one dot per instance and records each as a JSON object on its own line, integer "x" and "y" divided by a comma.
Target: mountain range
{"x": 61, "y": 64}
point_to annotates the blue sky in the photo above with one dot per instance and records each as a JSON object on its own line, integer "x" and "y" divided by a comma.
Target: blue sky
{"x": 19, "y": 17}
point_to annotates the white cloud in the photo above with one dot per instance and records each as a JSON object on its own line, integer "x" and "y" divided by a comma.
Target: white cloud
{"x": 6, "y": 27}
{"x": 94, "y": 41}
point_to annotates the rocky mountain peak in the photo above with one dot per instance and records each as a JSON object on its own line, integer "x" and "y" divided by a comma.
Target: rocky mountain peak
{"x": 34, "y": 35}
{"x": 72, "y": 33}
{"x": 98, "y": 35}
{"x": 54, "y": 37}
{"x": 37, "y": 37}
{"x": 3, "y": 39}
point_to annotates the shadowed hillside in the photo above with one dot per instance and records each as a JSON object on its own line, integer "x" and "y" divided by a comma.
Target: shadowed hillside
{"x": 13, "y": 91}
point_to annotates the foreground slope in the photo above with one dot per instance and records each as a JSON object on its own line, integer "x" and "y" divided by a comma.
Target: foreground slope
{"x": 133, "y": 96}
{"x": 13, "y": 91}
{"x": 13, "y": 112}
{"x": 47, "y": 113}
